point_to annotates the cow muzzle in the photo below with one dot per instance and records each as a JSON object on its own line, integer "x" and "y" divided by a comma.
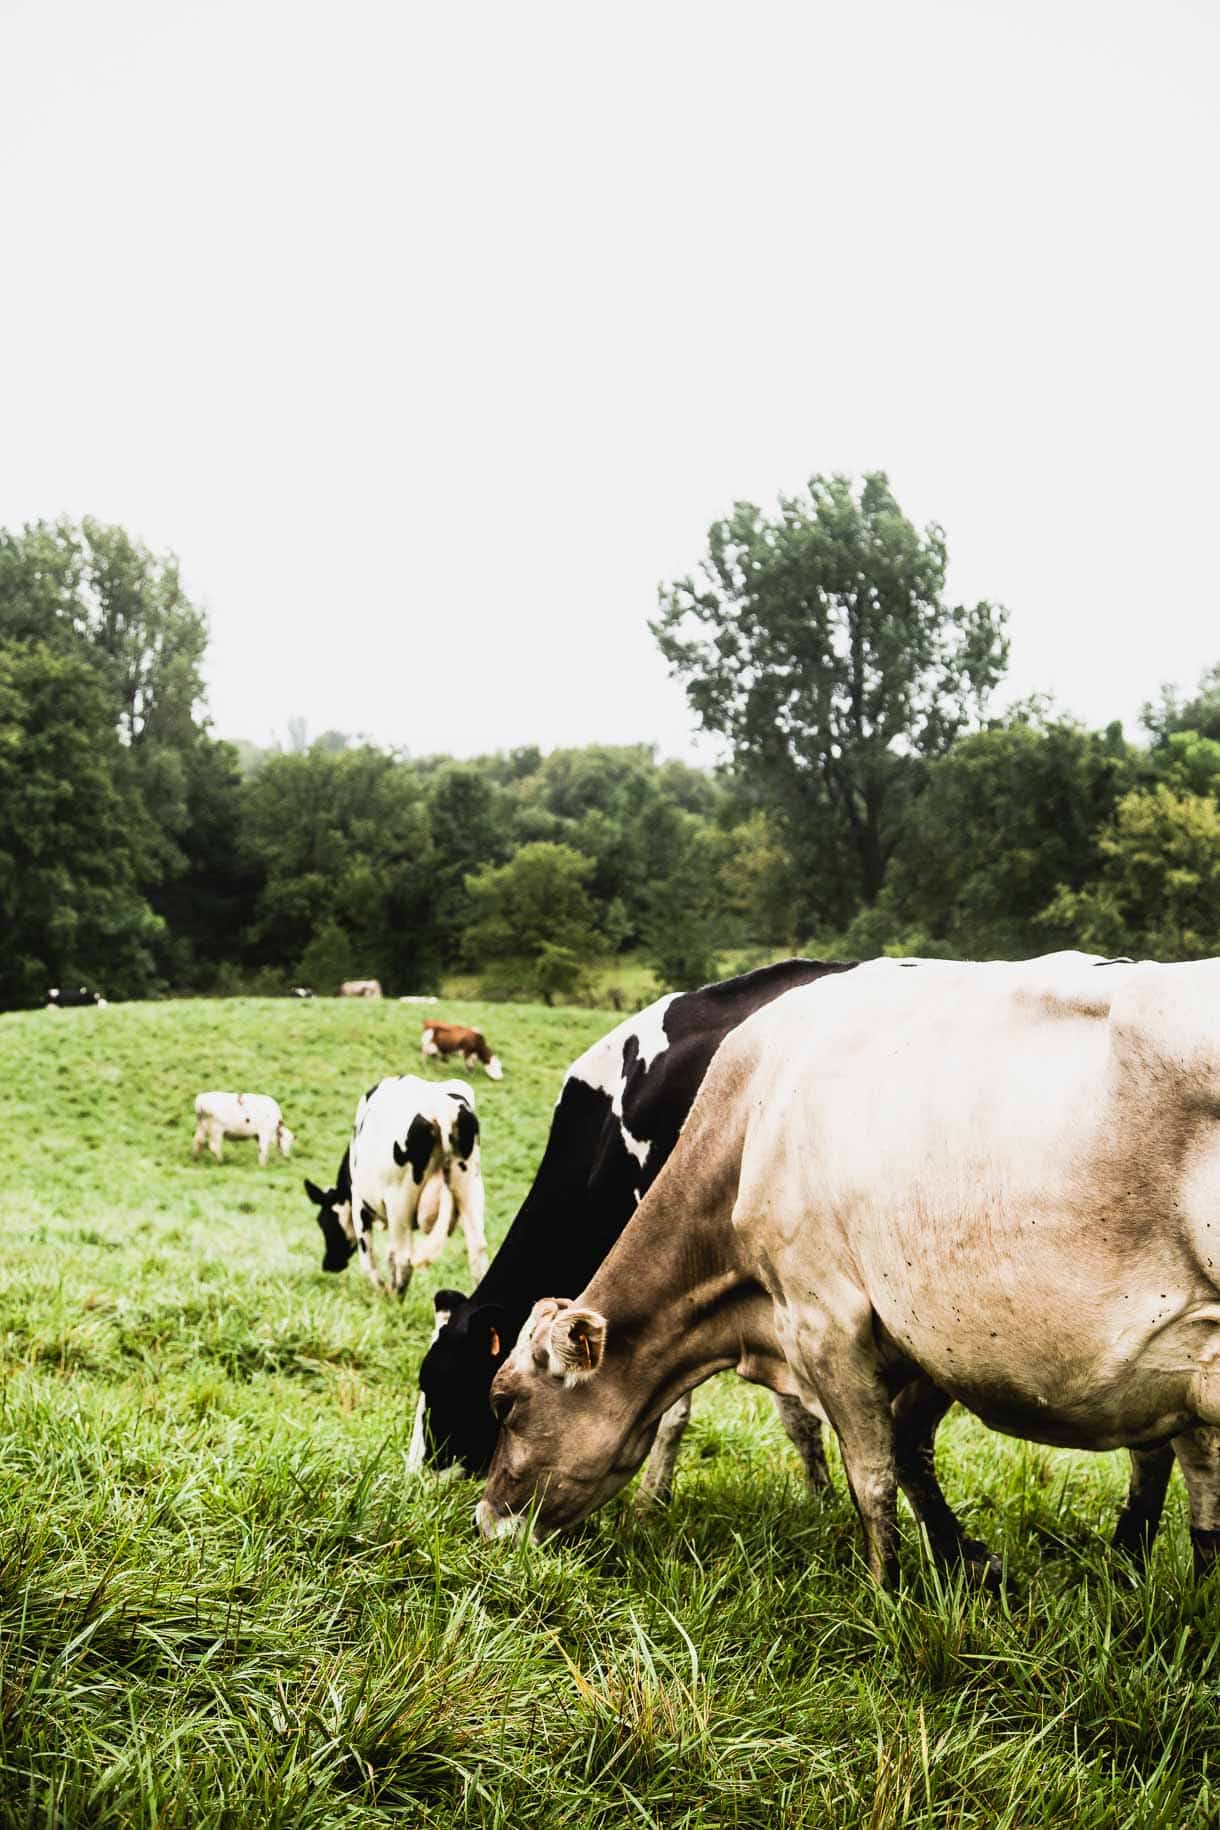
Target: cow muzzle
{"x": 493, "y": 1524}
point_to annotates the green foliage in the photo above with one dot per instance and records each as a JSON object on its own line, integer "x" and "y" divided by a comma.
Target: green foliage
{"x": 535, "y": 908}
{"x": 820, "y": 645}
{"x": 1006, "y": 818}
{"x": 1157, "y": 894}
{"x": 224, "y": 1602}
{"x": 687, "y": 922}
{"x": 73, "y": 835}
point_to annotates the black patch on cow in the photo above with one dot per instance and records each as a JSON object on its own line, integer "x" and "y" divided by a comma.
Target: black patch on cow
{"x": 465, "y": 1132}
{"x": 421, "y": 1142}
{"x": 586, "y": 1189}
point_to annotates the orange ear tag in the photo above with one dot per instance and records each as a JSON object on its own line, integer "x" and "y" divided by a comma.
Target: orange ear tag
{"x": 494, "y": 1344}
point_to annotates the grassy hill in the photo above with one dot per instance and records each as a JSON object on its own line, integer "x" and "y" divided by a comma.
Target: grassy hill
{"x": 224, "y": 1601}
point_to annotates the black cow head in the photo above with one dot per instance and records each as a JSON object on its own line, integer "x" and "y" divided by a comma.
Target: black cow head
{"x": 469, "y": 1347}
{"x": 332, "y": 1205}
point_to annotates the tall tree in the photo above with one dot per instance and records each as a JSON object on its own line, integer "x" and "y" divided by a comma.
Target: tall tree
{"x": 73, "y": 835}
{"x": 820, "y": 644}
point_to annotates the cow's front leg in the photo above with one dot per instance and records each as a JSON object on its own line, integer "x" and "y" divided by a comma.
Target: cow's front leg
{"x": 658, "y": 1480}
{"x": 803, "y": 1429}
{"x": 362, "y": 1221}
{"x": 918, "y": 1410}
{"x": 1198, "y": 1453}
{"x": 466, "y": 1182}
{"x": 1138, "y": 1521}
{"x": 264, "y": 1148}
{"x": 400, "y": 1221}
{"x": 844, "y": 1370}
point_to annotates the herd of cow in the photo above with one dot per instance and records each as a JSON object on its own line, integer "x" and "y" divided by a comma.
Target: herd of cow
{"x": 876, "y": 1189}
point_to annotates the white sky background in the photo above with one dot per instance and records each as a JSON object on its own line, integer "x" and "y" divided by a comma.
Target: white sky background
{"x": 432, "y": 337}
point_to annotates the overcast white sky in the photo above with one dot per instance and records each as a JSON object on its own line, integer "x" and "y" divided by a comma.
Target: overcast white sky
{"x": 431, "y": 337}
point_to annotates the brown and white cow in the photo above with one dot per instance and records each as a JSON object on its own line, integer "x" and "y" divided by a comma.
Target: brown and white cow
{"x": 921, "y": 1181}
{"x": 440, "y": 1040}
{"x": 360, "y": 988}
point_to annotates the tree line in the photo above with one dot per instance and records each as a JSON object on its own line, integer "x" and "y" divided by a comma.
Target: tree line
{"x": 871, "y": 801}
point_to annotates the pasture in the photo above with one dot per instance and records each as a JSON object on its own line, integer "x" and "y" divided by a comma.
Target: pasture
{"x": 224, "y": 1601}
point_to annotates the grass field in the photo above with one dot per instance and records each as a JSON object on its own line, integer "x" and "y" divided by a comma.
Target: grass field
{"x": 223, "y": 1601}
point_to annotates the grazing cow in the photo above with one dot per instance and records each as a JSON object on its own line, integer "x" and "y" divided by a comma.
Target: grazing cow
{"x": 991, "y": 1183}
{"x": 301, "y": 991}
{"x": 412, "y": 1160}
{"x": 222, "y": 1115}
{"x": 360, "y": 988}
{"x": 440, "y": 1040}
{"x": 619, "y": 1113}
{"x": 70, "y": 997}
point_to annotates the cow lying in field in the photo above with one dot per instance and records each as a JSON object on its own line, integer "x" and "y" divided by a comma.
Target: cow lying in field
{"x": 413, "y": 1161}
{"x": 619, "y": 1113}
{"x": 440, "y": 1040}
{"x": 71, "y": 997}
{"x": 360, "y": 988}
{"x": 922, "y": 1182}
{"x": 222, "y": 1115}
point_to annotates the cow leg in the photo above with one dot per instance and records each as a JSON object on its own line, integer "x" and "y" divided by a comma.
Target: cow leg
{"x": 216, "y": 1137}
{"x": 918, "y": 1410}
{"x": 803, "y": 1428}
{"x": 362, "y": 1222}
{"x": 200, "y": 1139}
{"x": 466, "y": 1183}
{"x": 1140, "y": 1517}
{"x": 1198, "y": 1453}
{"x": 400, "y": 1219}
{"x": 846, "y": 1380}
{"x": 658, "y": 1480}
{"x": 264, "y": 1148}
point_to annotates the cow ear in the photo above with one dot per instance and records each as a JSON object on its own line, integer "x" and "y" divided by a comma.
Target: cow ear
{"x": 489, "y": 1329}
{"x": 446, "y": 1301}
{"x": 576, "y": 1343}
{"x": 315, "y": 1194}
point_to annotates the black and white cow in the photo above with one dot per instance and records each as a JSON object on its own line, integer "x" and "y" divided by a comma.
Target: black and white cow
{"x": 69, "y": 997}
{"x": 619, "y": 1113}
{"x": 413, "y": 1161}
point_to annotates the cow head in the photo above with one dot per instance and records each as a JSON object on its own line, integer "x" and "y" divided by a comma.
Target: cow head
{"x": 570, "y": 1427}
{"x": 334, "y": 1216}
{"x": 493, "y": 1069}
{"x": 468, "y": 1349}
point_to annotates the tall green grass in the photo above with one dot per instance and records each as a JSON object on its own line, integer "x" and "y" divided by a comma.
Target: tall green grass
{"x": 224, "y": 1601}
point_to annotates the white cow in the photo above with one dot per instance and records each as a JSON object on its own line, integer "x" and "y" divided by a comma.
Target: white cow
{"x": 222, "y": 1115}
{"x": 413, "y": 1161}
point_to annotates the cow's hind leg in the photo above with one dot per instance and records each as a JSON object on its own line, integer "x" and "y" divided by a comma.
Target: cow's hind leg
{"x": 1198, "y": 1453}
{"x": 1138, "y": 1521}
{"x": 846, "y": 1378}
{"x": 803, "y": 1428}
{"x": 658, "y": 1480}
{"x": 400, "y": 1220}
{"x": 918, "y": 1410}
{"x": 200, "y": 1138}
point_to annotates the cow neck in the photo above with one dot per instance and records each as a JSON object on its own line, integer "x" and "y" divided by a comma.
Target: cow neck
{"x": 679, "y": 1303}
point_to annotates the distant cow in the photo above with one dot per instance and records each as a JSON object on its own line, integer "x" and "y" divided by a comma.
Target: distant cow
{"x": 360, "y": 988}
{"x": 69, "y": 997}
{"x": 440, "y": 1040}
{"x": 301, "y": 991}
{"x": 412, "y": 1161}
{"x": 222, "y": 1115}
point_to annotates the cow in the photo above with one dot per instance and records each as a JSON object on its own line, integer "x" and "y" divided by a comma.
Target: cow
{"x": 440, "y": 1040}
{"x": 301, "y": 991}
{"x": 926, "y": 1181}
{"x": 70, "y": 997}
{"x": 413, "y": 1159}
{"x": 222, "y": 1115}
{"x": 360, "y": 988}
{"x": 617, "y": 1119}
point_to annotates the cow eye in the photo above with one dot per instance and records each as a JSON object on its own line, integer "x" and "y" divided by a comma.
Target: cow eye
{"x": 501, "y": 1405}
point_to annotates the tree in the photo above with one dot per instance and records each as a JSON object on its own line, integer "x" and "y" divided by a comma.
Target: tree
{"x": 535, "y": 909}
{"x": 819, "y": 643}
{"x": 1157, "y": 894}
{"x": 1200, "y": 714}
{"x": 72, "y": 835}
{"x": 1043, "y": 796}
{"x": 688, "y": 918}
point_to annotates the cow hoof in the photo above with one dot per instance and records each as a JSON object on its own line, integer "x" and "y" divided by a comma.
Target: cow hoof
{"x": 648, "y": 1498}
{"x": 983, "y": 1564}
